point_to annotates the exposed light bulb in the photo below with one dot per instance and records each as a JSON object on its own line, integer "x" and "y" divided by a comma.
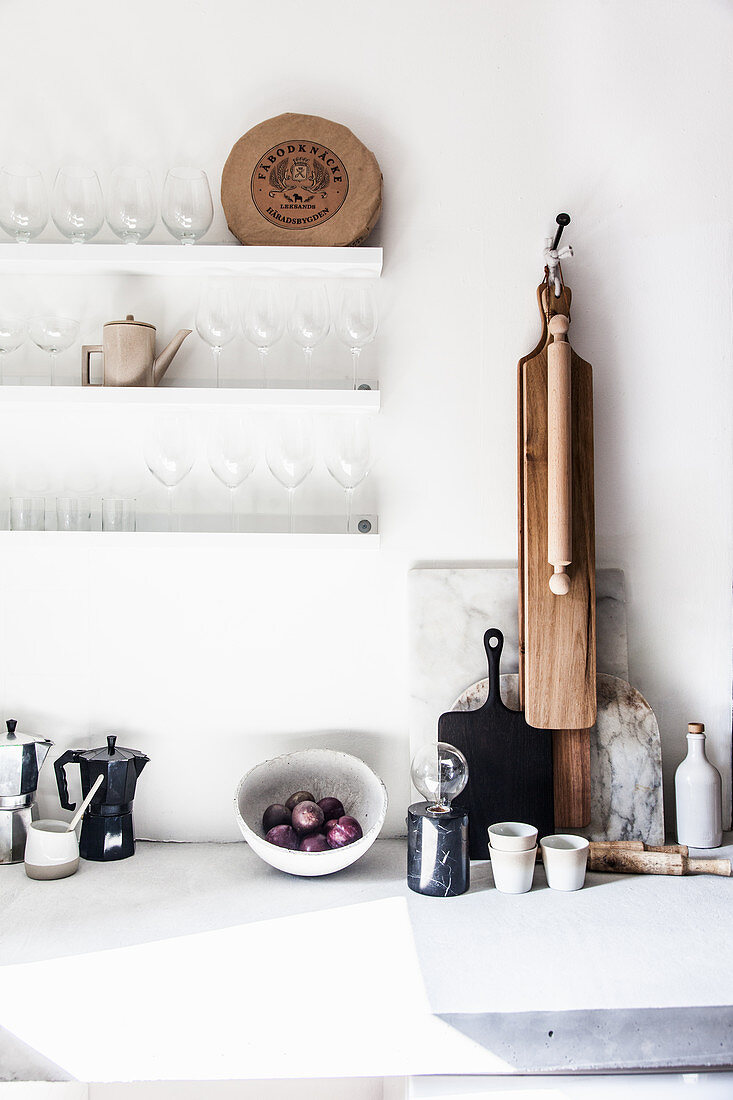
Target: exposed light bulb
{"x": 440, "y": 772}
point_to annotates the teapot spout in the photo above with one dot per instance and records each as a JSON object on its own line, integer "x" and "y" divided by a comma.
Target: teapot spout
{"x": 163, "y": 361}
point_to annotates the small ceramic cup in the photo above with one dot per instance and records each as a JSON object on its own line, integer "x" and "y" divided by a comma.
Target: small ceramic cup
{"x": 50, "y": 850}
{"x": 565, "y": 857}
{"x": 512, "y": 836}
{"x": 513, "y": 870}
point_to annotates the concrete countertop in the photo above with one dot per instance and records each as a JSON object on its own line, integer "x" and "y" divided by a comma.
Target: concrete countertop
{"x": 200, "y": 962}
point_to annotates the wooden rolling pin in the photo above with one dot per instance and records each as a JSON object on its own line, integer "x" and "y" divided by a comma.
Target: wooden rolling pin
{"x": 559, "y": 457}
{"x": 628, "y": 861}
{"x": 640, "y": 846}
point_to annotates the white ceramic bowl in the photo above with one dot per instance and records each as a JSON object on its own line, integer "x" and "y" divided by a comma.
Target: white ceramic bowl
{"x": 512, "y": 836}
{"x": 323, "y": 772}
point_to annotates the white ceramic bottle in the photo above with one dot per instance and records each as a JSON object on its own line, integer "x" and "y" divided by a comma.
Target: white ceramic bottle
{"x": 697, "y": 787}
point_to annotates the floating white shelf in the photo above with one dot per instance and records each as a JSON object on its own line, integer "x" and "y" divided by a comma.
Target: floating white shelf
{"x": 195, "y": 394}
{"x": 312, "y": 533}
{"x": 203, "y": 259}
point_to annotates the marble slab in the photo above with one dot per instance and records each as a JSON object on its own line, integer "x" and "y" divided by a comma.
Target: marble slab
{"x": 450, "y": 609}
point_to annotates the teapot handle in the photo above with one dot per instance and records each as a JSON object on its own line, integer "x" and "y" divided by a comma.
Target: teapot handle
{"x": 86, "y": 351}
{"x": 68, "y": 757}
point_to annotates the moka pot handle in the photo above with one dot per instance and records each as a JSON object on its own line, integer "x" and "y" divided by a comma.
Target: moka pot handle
{"x": 68, "y": 757}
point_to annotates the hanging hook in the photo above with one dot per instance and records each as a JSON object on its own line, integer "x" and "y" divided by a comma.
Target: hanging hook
{"x": 562, "y": 220}
{"x": 553, "y": 255}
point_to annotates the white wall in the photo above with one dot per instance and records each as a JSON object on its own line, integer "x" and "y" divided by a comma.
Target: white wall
{"x": 487, "y": 118}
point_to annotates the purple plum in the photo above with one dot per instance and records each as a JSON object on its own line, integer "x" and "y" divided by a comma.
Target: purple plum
{"x": 344, "y": 831}
{"x": 314, "y": 843}
{"x": 275, "y": 815}
{"x": 284, "y": 836}
{"x": 299, "y": 796}
{"x": 332, "y": 808}
{"x": 307, "y": 818}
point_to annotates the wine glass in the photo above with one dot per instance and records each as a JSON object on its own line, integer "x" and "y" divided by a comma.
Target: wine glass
{"x": 348, "y": 455}
{"x": 310, "y": 320}
{"x": 356, "y": 320}
{"x": 131, "y": 211}
{"x": 263, "y": 321}
{"x": 23, "y": 203}
{"x": 77, "y": 206}
{"x": 216, "y": 318}
{"x": 187, "y": 209}
{"x": 12, "y": 335}
{"x": 290, "y": 454}
{"x": 53, "y": 334}
{"x": 170, "y": 453}
{"x": 233, "y": 453}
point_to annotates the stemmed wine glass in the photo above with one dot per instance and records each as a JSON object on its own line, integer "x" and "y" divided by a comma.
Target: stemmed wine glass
{"x": 187, "y": 209}
{"x": 53, "y": 334}
{"x": 170, "y": 453}
{"x": 356, "y": 320}
{"x": 12, "y": 335}
{"x": 77, "y": 206}
{"x": 291, "y": 453}
{"x": 23, "y": 203}
{"x": 216, "y": 318}
{"x": 310, "y": 320}
{"x": 263, "y": 320}
{"x": 131, "y": 209}
{"x": 348, "y": 455}
{"x": 233, "y": 453}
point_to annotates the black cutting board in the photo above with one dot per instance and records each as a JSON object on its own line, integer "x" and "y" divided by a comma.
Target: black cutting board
{"x": 509, "y": 762}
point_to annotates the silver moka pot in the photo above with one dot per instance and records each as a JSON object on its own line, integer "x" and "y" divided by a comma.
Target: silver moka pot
{"x": 21, "y": 757}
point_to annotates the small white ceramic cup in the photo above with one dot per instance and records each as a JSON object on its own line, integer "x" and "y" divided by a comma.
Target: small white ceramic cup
{"x": 565, "y": 857}
{"x": 50, "y": 850}
{"x": 513, "y": 871}
{"x": 512, "y": 836}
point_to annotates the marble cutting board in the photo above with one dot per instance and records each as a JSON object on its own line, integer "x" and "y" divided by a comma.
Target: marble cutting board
{"x": 449, "y": 611}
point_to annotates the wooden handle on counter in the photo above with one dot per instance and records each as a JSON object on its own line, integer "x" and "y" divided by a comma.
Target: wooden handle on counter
{"x": 631, "y": 861}
{"x": 559, "y": 456}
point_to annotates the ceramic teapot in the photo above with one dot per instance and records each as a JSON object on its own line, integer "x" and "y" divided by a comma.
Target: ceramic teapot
{"x": 128, "y": 353}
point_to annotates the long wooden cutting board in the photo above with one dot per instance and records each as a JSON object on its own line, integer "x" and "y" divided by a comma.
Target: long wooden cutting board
{"x": 557, "y": 633}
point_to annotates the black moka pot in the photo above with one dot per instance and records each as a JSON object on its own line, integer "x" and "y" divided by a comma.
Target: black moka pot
{"x": 106, "y": 828}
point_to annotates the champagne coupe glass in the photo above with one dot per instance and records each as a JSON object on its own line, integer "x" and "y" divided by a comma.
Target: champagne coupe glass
{"x": 131, "y": 211}
{"x": 356, "y": 320}
{"x": 264, "y": 321}
{"x": 233, "y": 453}
{"x": 310, "y": 320}
{"x": 348, "y": 454}
{"x": 23, "y": 203}
{"x": 77, "y": 205}
{"x": 53, "y": 334}
{"x": 170, "y": 453}
{"x": 187, "y": 209}
{"x": 12, "y": 335}
{"x": 290, "y": 454}
{"x": 216, "y": 318}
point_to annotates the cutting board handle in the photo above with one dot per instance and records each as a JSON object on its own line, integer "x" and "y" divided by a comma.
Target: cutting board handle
{"x": 494, "y": 644}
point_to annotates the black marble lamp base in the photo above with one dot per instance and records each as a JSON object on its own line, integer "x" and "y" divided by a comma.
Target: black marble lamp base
{"x": 437, "y": 852}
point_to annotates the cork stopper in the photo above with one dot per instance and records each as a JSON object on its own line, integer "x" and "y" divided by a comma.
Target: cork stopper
{"x": 696, "y": 727}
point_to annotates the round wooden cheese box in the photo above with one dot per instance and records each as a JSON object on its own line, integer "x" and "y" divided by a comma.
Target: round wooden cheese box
{"x": 301, "y": 180}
